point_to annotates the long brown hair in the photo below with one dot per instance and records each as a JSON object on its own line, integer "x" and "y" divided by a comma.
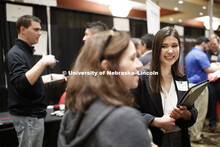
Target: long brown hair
{"x": 83, "y": 89}
{"x": 155, "y": 65}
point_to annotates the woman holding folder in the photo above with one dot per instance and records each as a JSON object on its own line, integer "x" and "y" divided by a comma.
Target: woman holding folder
{"x": 157, "y": 95}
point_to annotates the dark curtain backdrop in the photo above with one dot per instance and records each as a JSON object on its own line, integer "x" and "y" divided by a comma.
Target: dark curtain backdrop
{"x": 163, "y": 24}
{"x": 3, "y": 90}
{"x": 191, "y": 32}
{"x": 67, "y": 31}
{"x": 138, "y": 27}
{"x": 8, "y": 36}
{"x": 217, "y": 32}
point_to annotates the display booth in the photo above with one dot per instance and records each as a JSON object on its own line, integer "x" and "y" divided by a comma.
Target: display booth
{"x": 67, "y": 28}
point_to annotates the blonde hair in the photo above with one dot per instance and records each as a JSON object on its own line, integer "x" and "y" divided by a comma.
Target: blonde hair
{"x": 214, "y": 36}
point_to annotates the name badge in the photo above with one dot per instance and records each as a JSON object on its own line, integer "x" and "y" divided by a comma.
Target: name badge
{"x": 214, "y": 58}
{"x": 182, "y": 85}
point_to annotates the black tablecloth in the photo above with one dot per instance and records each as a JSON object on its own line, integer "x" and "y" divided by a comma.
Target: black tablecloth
{"x": 5, "y": 118}
{"x": 8, "y": 135}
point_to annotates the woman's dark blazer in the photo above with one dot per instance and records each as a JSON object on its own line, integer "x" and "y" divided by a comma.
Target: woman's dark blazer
{"x": 150, "y": 105}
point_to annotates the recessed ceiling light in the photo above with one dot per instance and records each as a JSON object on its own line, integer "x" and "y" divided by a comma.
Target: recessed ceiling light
{"x": 203, "y": 7}
{"x": 171, "y": 19}
{"x": 200, "y": 13}
{"x": 180, "y": 2}
{"x": 176, "y": 8}
{"x": 180, "y": 20}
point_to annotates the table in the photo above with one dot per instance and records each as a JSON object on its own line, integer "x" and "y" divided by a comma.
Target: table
{"x": 8, "y": 135}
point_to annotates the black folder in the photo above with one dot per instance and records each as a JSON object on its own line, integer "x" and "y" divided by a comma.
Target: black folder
{"x": 192, "y": 94}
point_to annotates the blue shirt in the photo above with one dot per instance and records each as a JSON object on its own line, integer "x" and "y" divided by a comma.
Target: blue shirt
{"x": 195, "y": 62}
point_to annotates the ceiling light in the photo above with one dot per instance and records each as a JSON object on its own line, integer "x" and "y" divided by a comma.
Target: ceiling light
{"x": 171, "y": 19}
{"x": 214, "y": 25}
{"x": 176, "y": 8}
{"x": 120, "y": 9}
{"x": 204, "y": 7}
{"x": 180, "y": 20}
{"x": 180, "y": 2}
{"x": 200, "y": 13}
{"x": 205, "y": 20}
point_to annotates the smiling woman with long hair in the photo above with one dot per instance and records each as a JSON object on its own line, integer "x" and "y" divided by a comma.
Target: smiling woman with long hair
{"x": 157, "y": 95}
{"x": 99, "y": 112}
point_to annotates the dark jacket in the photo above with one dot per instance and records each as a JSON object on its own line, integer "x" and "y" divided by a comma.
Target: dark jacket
{"x": 151, "y": 106}
{"x": 210, "y": 53}
{"x": 103, "y": 126}
{"x": 24, "y": 99}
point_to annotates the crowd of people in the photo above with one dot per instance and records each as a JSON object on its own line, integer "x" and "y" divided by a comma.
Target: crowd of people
{"x": 115, "y": 110}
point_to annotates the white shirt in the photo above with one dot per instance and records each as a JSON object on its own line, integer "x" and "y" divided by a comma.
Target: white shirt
{"x": 169, "y": 101}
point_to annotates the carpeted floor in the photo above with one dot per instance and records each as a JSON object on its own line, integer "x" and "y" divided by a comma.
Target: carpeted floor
{"x": 212, "y": 139}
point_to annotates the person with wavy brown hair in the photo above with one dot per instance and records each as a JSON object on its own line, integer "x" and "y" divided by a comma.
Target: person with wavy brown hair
{"x": 157, "y": 94}
{"x": 100, "y": 112}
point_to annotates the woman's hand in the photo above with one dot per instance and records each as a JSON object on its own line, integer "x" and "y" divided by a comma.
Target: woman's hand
{"x": 166, "y": 122}
{"x": 180, "y": 112}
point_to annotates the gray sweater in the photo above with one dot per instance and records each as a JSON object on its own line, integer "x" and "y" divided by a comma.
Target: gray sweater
{"x": 104, "y": 126}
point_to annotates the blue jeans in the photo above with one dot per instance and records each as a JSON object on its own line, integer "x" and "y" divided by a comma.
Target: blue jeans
{"x": 30, "y": 130}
